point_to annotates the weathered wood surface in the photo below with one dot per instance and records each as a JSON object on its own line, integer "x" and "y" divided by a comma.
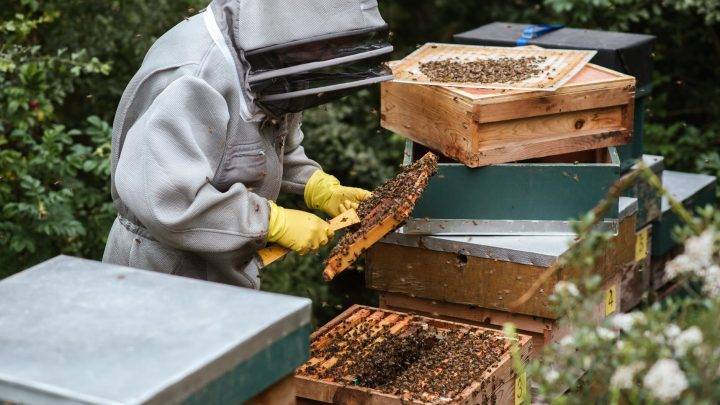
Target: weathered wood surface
{"x": 559, "y": 65}
{"x": 401, "y": 210}
{"x": 636, "y": 274}
{"x": 488, "y": 283}
{"x": 479, "y": 127}
{"x": 498, "y": 383}
{"x": 542, "y": 330}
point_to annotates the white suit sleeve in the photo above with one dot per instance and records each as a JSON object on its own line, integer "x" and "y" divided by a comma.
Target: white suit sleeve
{"x": 297, "y": 167}
{"x": 165, "y": 168}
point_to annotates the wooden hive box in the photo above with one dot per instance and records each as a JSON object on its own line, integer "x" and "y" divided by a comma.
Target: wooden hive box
{"x": 479, "y": 127}
{"x": 537, "y": 197}
{"x": 360, "y": 332}
{"x": 693, "y": 191}
{"x": 487, "y": 271}
{"x": 544, "y": 331}
{"x": 635, "y": 275}
{"x": 624, "y": 52}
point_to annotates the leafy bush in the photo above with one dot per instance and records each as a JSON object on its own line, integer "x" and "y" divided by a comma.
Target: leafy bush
{"x": 53, "y": 185}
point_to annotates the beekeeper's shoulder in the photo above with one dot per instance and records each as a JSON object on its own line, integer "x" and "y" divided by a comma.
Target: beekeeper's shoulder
{"x": 185, "y": 46}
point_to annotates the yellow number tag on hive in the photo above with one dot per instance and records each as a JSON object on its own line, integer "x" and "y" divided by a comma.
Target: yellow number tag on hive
{"x": 641, "y": 245}
{"x": 520, "y": 388}
{"x": 611, "y": 300}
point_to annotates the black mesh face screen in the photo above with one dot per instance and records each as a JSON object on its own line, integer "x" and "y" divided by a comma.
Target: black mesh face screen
{"x": 332, "y": 75}
{"x": 292, "y": 55}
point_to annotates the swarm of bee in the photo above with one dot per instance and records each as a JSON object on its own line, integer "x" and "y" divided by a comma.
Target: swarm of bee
{"x": 395, "y": 198}
{"x": 501, "y": 70}
{"x": 420, "y": 362}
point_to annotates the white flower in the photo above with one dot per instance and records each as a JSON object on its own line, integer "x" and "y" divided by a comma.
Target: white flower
{"x": 699, "y": 249}
{"x": 567, "y": 288}
{"x": 672, "y": 331}
{"x": 605, "y": 333}
{"x": 689, "y": 338}
{"x": 626, "y": 321}
{"x": 624, "y": 375}
{"x": 678, "y": 266}
{"x": 712, "y": 281}
{"x": 697, "y": 259}
{"x": 567, "y": 341}
{"x": 665, "y": 380}
{"x": 551, "y": 375}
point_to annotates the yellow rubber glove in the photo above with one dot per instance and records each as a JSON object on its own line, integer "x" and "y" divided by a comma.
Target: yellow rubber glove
{"x": 325, "y": 193}
{"x": 297, "y": 230}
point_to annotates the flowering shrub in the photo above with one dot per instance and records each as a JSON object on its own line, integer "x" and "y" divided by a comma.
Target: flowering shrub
{"x": 666, "y": 352}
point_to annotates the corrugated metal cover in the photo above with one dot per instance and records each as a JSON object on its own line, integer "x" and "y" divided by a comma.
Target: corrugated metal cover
{"x": 79, "y": 331}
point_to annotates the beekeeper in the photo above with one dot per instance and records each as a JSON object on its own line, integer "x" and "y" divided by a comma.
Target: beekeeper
{"x": 207, "y": 134}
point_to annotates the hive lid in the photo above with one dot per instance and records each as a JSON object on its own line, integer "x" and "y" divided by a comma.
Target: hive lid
{"x": 682, "y": 186}
{"x": 626, "y": 52}
{"x": 654, "y": 162}
{"x": 627, "y": 206}
{"x": 79, "y": 331}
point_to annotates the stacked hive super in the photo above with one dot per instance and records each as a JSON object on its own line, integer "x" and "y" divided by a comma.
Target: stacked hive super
{"x": 630, "y": 54}
{"x": 516, "y": 163}
{"x": 515, "y": 166}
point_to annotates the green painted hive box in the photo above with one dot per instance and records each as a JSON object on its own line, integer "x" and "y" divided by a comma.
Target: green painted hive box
{"x": 649, "y": 199}
{"x": 77, "y": 331}
{"x": 537, "y": 197}
{"x": 693, "y": 190}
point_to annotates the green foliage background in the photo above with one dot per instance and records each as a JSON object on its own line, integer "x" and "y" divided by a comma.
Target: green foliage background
{"x": 65, "y": 63}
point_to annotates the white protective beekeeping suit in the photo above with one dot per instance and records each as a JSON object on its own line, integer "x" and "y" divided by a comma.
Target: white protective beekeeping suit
{"x": 196, "y": 155}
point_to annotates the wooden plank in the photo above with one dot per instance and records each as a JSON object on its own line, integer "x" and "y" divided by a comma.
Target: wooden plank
{"x": 447, "y": 276}
{"x": 543, "y": 331}
{"x": 280, "y": 393}
{"x": 559, "y": 65}
{"x": 480, "y": 281}
{"x": 492, "y": 110}
{"x": 479, "y": 127}
{"x": 636, "y": 274}
{"x": 418, "y": 113}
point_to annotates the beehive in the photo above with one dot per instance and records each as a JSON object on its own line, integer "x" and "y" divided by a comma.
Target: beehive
{"x": 487, "y": 271}
{"x": 649, "y": 199}
{"x": 624, "y": 52}
{"x": 79, "y": 331}
{"x": 692, "y": 191}
{"x": 479, "y": 127}
{"x": 374, "y": 356}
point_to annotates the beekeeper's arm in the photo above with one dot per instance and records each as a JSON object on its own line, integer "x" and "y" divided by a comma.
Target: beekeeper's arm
{"x": 303, "y": 176}
{"x": 164, "y": 173}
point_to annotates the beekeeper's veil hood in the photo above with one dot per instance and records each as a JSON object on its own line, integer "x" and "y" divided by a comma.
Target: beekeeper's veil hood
{"x": 297, "y": 54}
